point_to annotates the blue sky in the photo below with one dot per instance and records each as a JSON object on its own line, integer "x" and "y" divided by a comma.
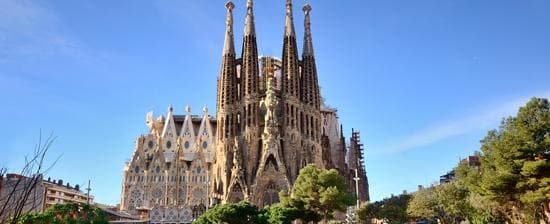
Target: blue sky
{"x": 422, "y": 80}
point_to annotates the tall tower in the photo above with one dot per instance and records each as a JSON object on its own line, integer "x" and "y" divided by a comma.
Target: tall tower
{"x": 227, "y": 113}
{"x": 309, "y": 88}
{"x": 291, "y": 107}
{"x": 270, "y": 126}
{"x": 251, "y": 96}
{"x": 310, "y": 98}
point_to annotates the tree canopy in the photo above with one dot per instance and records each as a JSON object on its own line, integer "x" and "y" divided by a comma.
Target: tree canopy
{"x": 515, "y": 171}
{"x": 317, "y": 193}
{"x": 66, "y": 213}
{"x": 237, "y": 213}
{"x": 511, "y": 184}
{"x": 391, "y": 210}
{"x": 447, "y": 203}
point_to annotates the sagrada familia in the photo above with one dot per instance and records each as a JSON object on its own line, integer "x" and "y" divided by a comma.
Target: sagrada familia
{"x": 270, "y": 122}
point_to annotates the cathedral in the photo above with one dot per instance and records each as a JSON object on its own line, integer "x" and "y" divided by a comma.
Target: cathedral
{"x": 270, "y": 121}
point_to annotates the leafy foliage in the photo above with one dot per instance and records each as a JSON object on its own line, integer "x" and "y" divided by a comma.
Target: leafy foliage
{"x": 423, "y": 204}
{"x": 317, "y": 193}
{"x": 515, "y": 171}
{"x": 511, "y": 185}
{"x": 391, "y": 210}
{"x": 482, "y": 209}
{"x": 66, "y": 213}
{"x": 277, "y": 214}
{"x": 238, "y": 213}
{"x": 446, "y": 202}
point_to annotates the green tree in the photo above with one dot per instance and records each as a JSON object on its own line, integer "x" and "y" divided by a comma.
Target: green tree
{"x": 423, "y": 204}
{"x": 277, "y": 214}
{"x": 244, "y": 213}
{"x": 515, "y": 171}
{"x": 66, "y": 213}
{"x": 237, "y": 213}
{"x": 391, "y": 210}
{"x": 317, "y": 193}
{"x": 394, "y": 209}
{"x": 452, "y": 202}
{"x": 483, "y": 210}
{"x": 367, "y": 212}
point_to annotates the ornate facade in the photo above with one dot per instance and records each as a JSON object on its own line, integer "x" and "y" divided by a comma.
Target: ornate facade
{"x": 270, "y": 122}
{"x": 168, "y": 172}
{"x": 277, "y": 127}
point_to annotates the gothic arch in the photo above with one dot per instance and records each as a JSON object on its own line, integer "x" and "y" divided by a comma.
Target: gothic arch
{"x": 271, "y": 193}
{"x": 271, "y": 161}
{"x": 236, "y": 193}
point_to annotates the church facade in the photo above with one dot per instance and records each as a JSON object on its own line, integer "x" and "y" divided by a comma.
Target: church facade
{"x": 270, "y": 122}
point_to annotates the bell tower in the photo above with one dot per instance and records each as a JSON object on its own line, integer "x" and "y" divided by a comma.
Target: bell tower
{"x": 310, "y": 116}
{"x": 251, "y": 95}
{"x": 290, "y": 93}
{"x": 227, "y": 113}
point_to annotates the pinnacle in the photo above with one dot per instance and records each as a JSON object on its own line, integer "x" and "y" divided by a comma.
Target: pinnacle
{"x": 249, "y": 28}
{"x": 289, "y": 23}
{"x": 229, "y": 45}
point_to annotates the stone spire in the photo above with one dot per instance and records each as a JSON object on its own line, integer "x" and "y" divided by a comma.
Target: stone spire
{"x": 291, "y": 79}
{"x": 310, "y": 88}
{"x": 227, "y": 114}
{"x": 249, "y": 28}
{"x": 229, "y": 45}
{"x": 308, "y": 43}
{"x": 289, "y": 23}
{"x": 249, "y": 69}
{"x": 227, "y": 81}
{"x": 250, "y": 82}
{"x": 291, "y": 106}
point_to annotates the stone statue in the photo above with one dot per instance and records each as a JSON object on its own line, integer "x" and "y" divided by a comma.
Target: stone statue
{"x": 154, "y": 125}
{"x": 270, "y": 103}
{"x": 237, "y": 157}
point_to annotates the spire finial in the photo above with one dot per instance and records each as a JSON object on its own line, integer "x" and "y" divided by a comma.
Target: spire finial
{"x": 229, "y": 45}
{"x": 289, "y": 23}
{"x": 249, "y": 28}
{"x": 306, "y": 8}
{"x": 170, "y": 108}
{"x": 205, "y": 109}
{"x": 229, "y": 5}
{"x": 308, "y": 43}
{"x": 188, "y": 109}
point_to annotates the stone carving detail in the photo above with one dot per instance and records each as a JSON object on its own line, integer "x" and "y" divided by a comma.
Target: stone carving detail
{"x": 272, "y": 171}
{"x": 155, "y": 126}
{"x": 270, "y": 135}
{"x": 237, "y": 193}
{"x": 270, "y": 103}
{"x": 169, "y": 185}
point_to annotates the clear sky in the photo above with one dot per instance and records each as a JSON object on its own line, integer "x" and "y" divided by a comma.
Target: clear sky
{"x": 422, "y": 80}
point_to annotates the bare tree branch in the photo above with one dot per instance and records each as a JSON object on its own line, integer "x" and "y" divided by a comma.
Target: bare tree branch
{"x": 19, "y": 194}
